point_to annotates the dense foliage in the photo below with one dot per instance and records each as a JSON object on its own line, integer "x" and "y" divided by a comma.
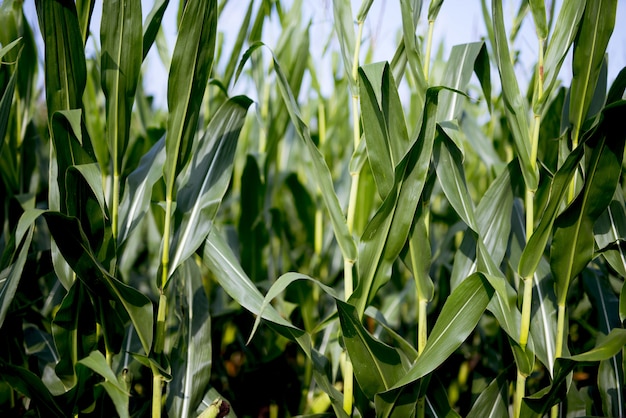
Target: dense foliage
{"x": 433, "y": 237}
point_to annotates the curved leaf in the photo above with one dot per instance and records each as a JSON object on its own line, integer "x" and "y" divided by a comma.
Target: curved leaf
{"x": 573, "y": 242}
{"x": 77, "y": 252}
{"x": 458, "y": 318}
{"x": 377, "y": 366}
{"x": 386, "y": 234}
{"x": 206, "y": 179}
{"x": 138, "y": 190}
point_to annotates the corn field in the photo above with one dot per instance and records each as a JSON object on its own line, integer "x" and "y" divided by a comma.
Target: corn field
{"x": 430, "y": 236}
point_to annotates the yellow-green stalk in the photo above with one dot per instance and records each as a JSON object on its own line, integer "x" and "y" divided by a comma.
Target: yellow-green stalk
{"x": 348, "y": 381}
{"x": 520, "y": 388}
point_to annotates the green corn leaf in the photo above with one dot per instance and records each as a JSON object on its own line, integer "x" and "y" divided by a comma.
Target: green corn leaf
{"x": 93, "y": 177}
{"x": 192, "y": 354}
{"x": 493, "y": 402}
{"x": 538, "y": 9}
{"x": 344, "y": 28}
{"x": 606, "y": 347}
{"x": 573, "y": 243}
{"x": 386, "y": 234}
{"x": 11, "y": 275}
{"x": 592, "y": 39}
{"x": 410, "y": 10}
{"x": 449, "y": 163}
{"x": 464, "y": 59}
{"x": 189, "y": 72}
{"x": 420, "y": 255}
{"x": 364, "y": 10}
{"x": 153, "y": 24}
{"x": 65, "y": 79}
{"x": 537, "y": 243}
{"x": 610, "y": 230}
{"x": 138, "y": 190}
{"x": 77, "y": 251}
{"x": 377, "y": 366}
{"x": 610, "y": 372}
{"x": 516, "y": 108}
{"x": 320, "y": 173}
{"x": 279, "y": 287}
{"x": 116, "y": 389}
{"x": 74, "y": 331}
{"x": 622, "y": 304}
{"x": 5, "y": 108}
{"x": 458, "y": 318}
{"x": 206, "y": 179}
{"x": 64, "y": 63}
{"x": 237, "y": 47}
{"x": 433, "y": 9}
{"x": 616, "y": 92}
{"x": 559, "y": 44}
{"x": 84, "y": 9}
{"x": 219, "y": 257}
{"x": 384, "y": 127}
{"x": 121, "y": 38}
{"x": 30, "y": 385}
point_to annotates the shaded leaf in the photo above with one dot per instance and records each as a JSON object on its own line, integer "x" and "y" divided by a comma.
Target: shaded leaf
{"x": 573, "y": 243}
{"x": 192, "y": 355}
{"x": 377, "y": 366}
{"x": 77, "y": 252}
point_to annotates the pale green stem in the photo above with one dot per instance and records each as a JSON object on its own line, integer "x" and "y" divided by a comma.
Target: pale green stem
{"x": 348, "y": 371}
{"x": 520, "y": 388}
{"x": 159, "y": 344}
{"x": 558, "y": 351}
{"x": 429, "y": 45}
{"x": 116, "y": 201}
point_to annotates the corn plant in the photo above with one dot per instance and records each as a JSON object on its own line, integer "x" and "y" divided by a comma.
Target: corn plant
{"x": 433, "y": 237}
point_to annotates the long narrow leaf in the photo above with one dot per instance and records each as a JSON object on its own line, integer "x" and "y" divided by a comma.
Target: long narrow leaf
{"x": 189, "y": 72}
{"x": 121, "y": 39}
{"x": 377, "y": 366}
{"x": 387, "y": 232}
{"x": 77, "y": 252}
{"x": 192, "y": 356}
{"x": 573, "y": 242}
{"x": 458, "y": 318}
{"x": 592, "y": 39}
{"x": 207, "y": 178}
{"x": 516, "y": 109}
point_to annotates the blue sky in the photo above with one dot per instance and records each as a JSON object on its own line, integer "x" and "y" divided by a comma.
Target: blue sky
{"x": 458, "y": 22}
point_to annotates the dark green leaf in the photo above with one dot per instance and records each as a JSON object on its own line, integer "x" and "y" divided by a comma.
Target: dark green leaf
{"x": 153, "y": 24}
{"x": 573, "y": 242}
{"x": 120, "y": 38}
{"x": 460, "y": 314}
{"x": 31, "y": 386}
{"x": 77, "y": 252}
{"x": 377, "y": 366}
{"x": 592, "y": 39}
{"x": 191, "y": 357}
{"x": 387, "y": 232}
